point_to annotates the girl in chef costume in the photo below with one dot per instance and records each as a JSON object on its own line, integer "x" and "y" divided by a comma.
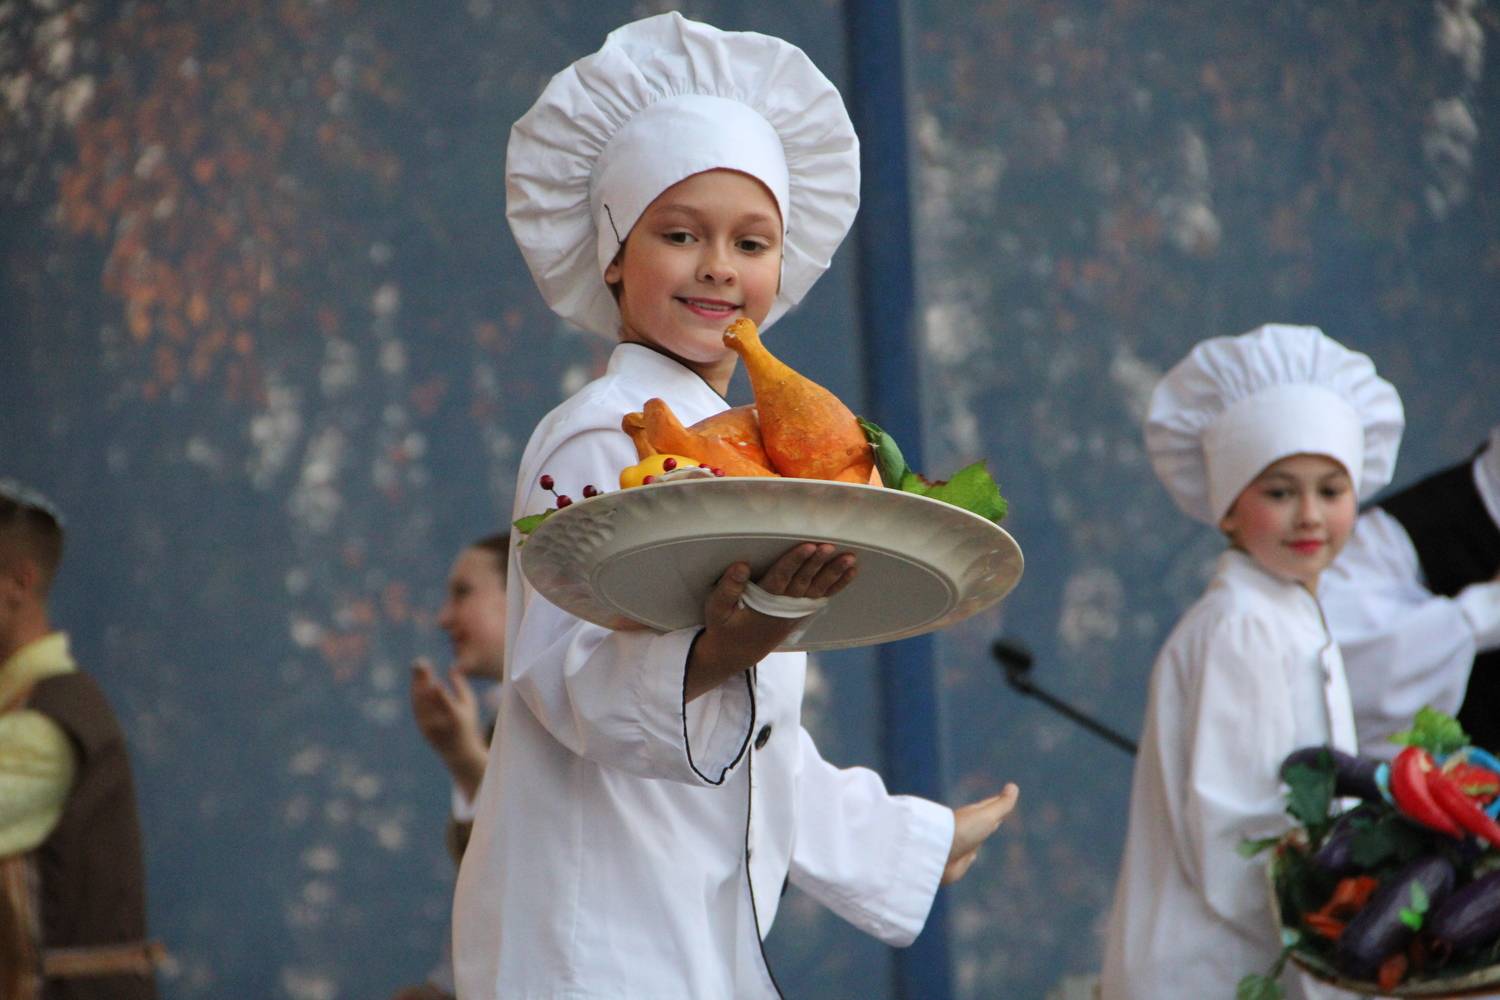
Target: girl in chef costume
{"x": 649, "y": 795}
{"x": 1271, "y": 437}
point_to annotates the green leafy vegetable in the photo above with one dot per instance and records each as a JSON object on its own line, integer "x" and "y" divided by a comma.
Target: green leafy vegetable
{"x": 1386, "y": 840}
{"x": 1250, "y": 848}
{"x": 1435, "y": 732}
{"x": 1258, "y": 987}
{"x": 1310, "y": 791}
{"x": 1265, "y": 987}
{"x": 971, "y": 488}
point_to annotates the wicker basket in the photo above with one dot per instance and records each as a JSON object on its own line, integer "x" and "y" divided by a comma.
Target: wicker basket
{"x": 1475, "y": 983}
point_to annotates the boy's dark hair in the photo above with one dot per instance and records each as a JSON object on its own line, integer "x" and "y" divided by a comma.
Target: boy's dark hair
{"x": 30, "y": 525}
{"x": 497, "y": 545}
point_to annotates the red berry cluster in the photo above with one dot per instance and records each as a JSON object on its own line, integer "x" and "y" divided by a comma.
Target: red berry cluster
{"x": 669, "y": 464}
{"x": 563, "y": 500}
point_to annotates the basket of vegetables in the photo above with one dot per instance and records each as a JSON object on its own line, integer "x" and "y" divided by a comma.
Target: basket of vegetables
{"x": 1390, "y": 884}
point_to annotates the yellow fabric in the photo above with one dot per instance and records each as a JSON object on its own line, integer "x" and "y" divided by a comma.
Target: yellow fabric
{"x": 36, "y": 758}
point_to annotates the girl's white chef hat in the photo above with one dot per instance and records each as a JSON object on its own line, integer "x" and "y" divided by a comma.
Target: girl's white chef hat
{"x": 666, "y": 98}
{"x": 1234, "y": 405}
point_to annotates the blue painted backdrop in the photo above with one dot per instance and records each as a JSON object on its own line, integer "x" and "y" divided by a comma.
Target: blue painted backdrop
{"x": 268, "y": 342}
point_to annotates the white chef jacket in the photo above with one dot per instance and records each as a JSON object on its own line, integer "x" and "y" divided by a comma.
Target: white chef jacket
{"x": 1249, "y": 674}
{"x": 1404, "y": 646}
{"x": 627, "y": 846}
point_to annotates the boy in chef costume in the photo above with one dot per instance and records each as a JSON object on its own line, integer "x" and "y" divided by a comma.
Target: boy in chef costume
{"x": 1271, "y": 437}
{"x": 649, "y": 795}
{"x": 1414, "y": 601}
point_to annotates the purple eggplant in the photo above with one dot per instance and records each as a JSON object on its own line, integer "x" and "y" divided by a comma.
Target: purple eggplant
{"x": 1470, "y": 917}
{"x": 1335, "y": 856}
{"x": 1352, "y": 776}
{"x": 1377, "y": 931}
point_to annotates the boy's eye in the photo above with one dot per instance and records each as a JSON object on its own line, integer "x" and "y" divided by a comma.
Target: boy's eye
{"x": 753, "y": 245}
{"x": 680, "y": 237}
{"x": 1278, "y": 493}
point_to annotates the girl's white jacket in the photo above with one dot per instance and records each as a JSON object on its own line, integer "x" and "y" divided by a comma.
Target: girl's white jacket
{"x": 627, "y": 846}
{"x": 1249, "y": 674}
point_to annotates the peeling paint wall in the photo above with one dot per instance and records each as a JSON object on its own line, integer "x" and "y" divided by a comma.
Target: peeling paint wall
{"x": 1102, "y": 185}
{"x": 269, "y": 344}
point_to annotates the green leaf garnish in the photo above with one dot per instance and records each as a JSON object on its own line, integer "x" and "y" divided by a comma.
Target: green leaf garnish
{"x": 888, "y": 458}
{"x": 1434, "y": 731}
{"x": 971, "y": 488}
{"x": 526, "y": 525}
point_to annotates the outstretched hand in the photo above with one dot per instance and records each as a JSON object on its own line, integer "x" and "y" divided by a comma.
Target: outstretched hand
{"x": 972, "y": 826}
{"x": 449, "y": 721}
{"x": 735, "y": 637}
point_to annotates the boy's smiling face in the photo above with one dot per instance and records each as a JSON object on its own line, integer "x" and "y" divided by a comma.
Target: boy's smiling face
{"x": 1294, "y": 517}
{"x": 705, "y": 252}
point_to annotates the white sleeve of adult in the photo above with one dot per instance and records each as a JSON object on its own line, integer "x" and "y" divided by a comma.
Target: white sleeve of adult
{"x": 1480, "y": 604}
{"x": 873, "y": 858}
{"x": 1404, "y": 647}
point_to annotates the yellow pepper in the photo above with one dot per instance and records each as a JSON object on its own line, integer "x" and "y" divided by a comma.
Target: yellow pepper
{"x": 653, "y": 465}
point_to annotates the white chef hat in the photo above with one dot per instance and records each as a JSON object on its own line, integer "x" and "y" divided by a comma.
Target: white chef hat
{"x": 666, "y": 98}
{"x": 1234, "y": 405}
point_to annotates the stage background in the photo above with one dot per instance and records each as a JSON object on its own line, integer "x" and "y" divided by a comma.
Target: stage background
{"x": 268, "y": 342}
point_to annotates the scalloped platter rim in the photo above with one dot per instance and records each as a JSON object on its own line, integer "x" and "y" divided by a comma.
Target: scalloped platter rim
{"x": 650, "y": 554}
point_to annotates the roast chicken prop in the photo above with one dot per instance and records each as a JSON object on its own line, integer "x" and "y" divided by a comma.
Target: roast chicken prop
{"x": 796, "y": 428}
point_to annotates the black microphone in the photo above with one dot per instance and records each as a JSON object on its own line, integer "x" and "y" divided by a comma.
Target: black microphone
{"x": 1017, "y": 660}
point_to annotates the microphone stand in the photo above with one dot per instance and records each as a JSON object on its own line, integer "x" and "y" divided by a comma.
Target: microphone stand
{"x": 1017, "y": 661}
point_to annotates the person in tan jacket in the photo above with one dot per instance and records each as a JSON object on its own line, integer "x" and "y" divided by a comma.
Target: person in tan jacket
{"x": 72, "y": 880}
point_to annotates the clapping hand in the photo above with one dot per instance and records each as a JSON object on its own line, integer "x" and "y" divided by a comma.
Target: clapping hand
{"x": 449, "y": 721}
{"x": 972, "y": 826}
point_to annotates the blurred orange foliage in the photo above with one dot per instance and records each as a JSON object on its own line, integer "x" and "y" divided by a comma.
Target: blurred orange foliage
{"x": 191, "y": 168}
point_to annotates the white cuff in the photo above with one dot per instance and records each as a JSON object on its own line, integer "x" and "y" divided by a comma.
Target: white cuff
{"x": 463, "y": 806}
{"x": 780, "y": 606}
{"x": 1480, "y": 604}
{"x": 697, "y": 742}
{"x": 926, "y": 844}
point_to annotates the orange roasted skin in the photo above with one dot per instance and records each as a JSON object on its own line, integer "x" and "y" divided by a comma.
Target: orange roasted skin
{"x": 738, "y": 427}
{"x": 656, "y": 430}
{"x": 806, "y": 431}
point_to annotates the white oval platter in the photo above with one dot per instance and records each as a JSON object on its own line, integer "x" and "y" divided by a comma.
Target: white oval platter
{"x": 651, "y": 554}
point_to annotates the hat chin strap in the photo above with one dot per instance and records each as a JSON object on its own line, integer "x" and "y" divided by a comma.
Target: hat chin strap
{"x": 1271, "y": 425}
